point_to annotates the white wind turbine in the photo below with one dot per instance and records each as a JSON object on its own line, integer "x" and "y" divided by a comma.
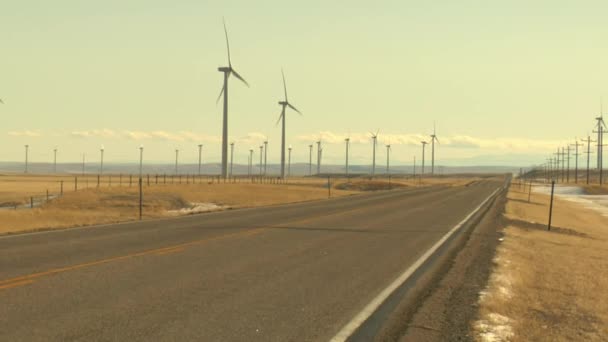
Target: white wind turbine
{"x": 284, "y": 104}
{"x": 374, "y": 143}
{"x": 229, "y": 70}
{"x": 433, "y": 139}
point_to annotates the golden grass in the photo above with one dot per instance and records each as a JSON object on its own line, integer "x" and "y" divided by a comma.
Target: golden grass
{"x": 548, "y": 286}
{"x": 110, "y": 204}
{"x": 116, "y": 204}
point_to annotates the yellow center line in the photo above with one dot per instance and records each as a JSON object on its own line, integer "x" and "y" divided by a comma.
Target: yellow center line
{"x": 17, "y": 280}
{"x": 27, "y": 279}
{"x": 15, "y": 284}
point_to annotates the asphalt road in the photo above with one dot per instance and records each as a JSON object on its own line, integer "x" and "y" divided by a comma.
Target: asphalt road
{"x": 284, "y": 273}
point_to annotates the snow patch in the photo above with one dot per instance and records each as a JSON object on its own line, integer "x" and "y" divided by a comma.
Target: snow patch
{"x": 598, "y": 203}
{"x": 495, "y": 328}
{"x": 196, "y": 208}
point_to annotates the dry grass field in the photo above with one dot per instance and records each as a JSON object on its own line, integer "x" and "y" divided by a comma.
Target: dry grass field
{"x": 547, "y": 285}
{"x": 116, "y": 198}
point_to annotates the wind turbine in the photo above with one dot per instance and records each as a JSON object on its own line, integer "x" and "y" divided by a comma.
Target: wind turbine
{"x": 55, "y": 160}
{"x": 310, "y": 160}
{"x": 374, "y": 143}
{"x": 200, "y": 158}
{"x": 424, "y": 143}
{"x": 347, "y": 141}
{"x": 176, "y": 159}
{"x": 289, "y": 163}
{"x": 319, "y": 156}
{"x": 388, "y": 159}
{"x": 433, "y": 139}
{"x": 229, "y": 70}
{"x": 101, "y": 166}
{"x": 265, "y": 154}
{"x": 27, "y": 148}
{"x": 284, "y": 104}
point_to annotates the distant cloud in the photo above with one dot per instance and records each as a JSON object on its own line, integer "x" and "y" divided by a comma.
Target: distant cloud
{"x": 103, "y": 133}
{"x": 170, "y": 136}
{"x": 26, "y": 133}
{"x": 454, "y": 141}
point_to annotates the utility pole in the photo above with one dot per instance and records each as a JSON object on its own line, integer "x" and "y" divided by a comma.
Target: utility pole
{"x": 200, "y": 158}
{"x": 310, "y": 160}
{"x": 589, "y": 141}
{"x": 388, "y": 159}
{"x": 600, "y": 147}
{"x": 568, "y": 165}
{"x": 576, "y": 155}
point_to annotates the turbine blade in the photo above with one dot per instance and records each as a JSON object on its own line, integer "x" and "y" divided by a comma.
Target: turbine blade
{"x": 284, "y": 85}
{"x": 1, "y": 101}
{"x": 236, "y": 74}
{"x": 294, "y": 108}
{"x": 437, "y": 139}
{"x": 221, "y": 93}
{"x": 227, "y": 43}
{"x": 280, "y": 117}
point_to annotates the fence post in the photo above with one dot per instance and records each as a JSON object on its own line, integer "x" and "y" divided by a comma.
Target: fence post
{"x": 98, "y": 181}
{"x": 328, "y": 187}
{"x": 61, "y": 188}
{"x": 551, "y": 205}
{"x": 530, "y": 191}
{"x": 75, "y": 183}
{"x": 31, "y": 202}
{"x": 47, "y": 195}
{"x": 148, "y": 179}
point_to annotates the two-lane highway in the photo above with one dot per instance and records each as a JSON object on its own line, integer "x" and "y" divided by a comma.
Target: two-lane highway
{"x": 285, "y": 273}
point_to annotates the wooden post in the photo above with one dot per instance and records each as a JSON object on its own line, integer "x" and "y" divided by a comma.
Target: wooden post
{"x": 75, "y": 183}
{"x": 551, "y": 205}
{"x": 328, "y": 187}
{"x": 61, "y": 188}
{"x": 140, "y": 198}
{"x": 31, "y": 202}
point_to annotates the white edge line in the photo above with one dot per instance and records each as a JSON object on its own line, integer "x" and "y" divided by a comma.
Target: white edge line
{"x": 370, "y": 308}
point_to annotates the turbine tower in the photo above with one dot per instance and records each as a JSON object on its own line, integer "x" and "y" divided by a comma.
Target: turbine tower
{"x": 231, "y": 156}
{"x": 101, "y": 166}
{"x": 310, "y": 160}
{"x": 284, "y": 104}
{"x": 374, "y": 143}
{"x": 55, "y": 160}
{"x": 319, "y": 157}
{"x": 229, "y": 70}
{"x": 200, "y": 158}
{"x": 388, "y": 159}
{"x": 347, "y": 140}
{"x": 27, "y": 148}
{"x": 433, "y": 139}
{"x": 424, "y": 143}
{"x": 265, "y": 154}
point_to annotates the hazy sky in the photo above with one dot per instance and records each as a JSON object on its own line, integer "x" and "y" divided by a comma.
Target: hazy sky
{"x": 499, "y": 77}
